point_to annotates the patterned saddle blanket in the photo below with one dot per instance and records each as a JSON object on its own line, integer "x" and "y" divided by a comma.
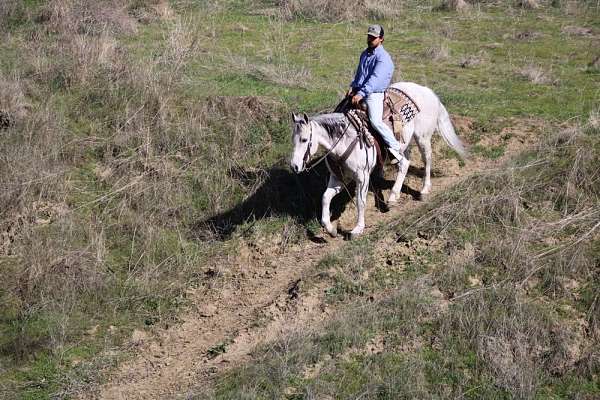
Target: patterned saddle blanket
{"x": 398, "y": 110}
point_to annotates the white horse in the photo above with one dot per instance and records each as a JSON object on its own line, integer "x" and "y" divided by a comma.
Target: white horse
{"x": 336, "y": 134}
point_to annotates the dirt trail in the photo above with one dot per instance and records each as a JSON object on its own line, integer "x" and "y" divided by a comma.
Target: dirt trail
{"x": 258, "y": 300}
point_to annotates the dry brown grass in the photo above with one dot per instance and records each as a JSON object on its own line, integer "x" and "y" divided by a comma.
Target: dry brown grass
{"x": 528, "y": 4}
{"x": 88, "y": 17}
{"x": 533, "y": 236}
{"x": 474, "y": 60}
{"x": 536, "y": 74}
{"x": 577, "y": 31}
{"x": 438, "y": 52}
{"x": 322, "y": 10}
{"x": 345, "y": 10}
{"x": 528, "y": 35}
{"x": 104, "y": 179}
{"x": 457, "y": 5}
{"x": 284, "y": 74}
{"x": 13, "y": 102}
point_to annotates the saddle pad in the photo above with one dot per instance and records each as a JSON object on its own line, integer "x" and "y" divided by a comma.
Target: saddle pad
{"x": 398, "y": 110}
{"x": 398, "y": 102}
{"x": 360, "y": 120}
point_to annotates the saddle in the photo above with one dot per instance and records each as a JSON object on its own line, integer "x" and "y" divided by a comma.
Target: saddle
{"x": 398, "y": 110}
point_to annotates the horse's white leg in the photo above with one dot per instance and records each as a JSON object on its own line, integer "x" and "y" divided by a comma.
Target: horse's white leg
{"x": 403, "y": 165}
{"x": 334, "y": 186}
{"x": 362, "y": 188}
{"x": 402, "y": 170}
{"x": 424, "y": 144}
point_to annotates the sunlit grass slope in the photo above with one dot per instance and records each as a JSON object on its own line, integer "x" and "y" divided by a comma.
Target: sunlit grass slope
{"x": 130, "y": 132}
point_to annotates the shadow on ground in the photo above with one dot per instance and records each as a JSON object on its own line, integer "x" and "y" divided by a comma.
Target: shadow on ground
{"x": 279, "y": 192}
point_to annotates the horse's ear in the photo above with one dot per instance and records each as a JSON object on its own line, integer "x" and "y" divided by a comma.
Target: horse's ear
{"x": 305, "y": 117}
{"x": 295, "y": 118}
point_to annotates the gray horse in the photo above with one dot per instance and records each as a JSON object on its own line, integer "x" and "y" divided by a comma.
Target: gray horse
{"x": 336, "y": 134}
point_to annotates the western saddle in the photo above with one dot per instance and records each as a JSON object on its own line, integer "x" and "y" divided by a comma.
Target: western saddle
{"x": 398, "y": 110}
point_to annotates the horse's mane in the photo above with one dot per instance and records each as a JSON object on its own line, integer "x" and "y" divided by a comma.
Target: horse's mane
{"x": 334, "y": 123}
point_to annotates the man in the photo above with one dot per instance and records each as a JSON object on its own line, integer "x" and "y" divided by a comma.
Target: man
{"x": 373, "y": 76}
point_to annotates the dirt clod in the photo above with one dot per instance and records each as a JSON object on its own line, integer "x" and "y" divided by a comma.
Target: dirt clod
{"x": 5, "y": 120}
{"x": 207, "y": 310}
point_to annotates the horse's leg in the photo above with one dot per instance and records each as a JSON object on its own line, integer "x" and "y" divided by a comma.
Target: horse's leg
{"x": 402, "y": 170}
{"x": 362, "y": 188}
{"x": 334, "y": 186}
{"x": 376, "y": 180}
{"x": 403, "y": 164}
{"x": 424, "y": 143}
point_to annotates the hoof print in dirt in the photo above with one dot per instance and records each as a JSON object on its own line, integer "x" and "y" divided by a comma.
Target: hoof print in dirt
{"x": 5, "y": 120}
{"x": 294, "y": 290}
{"x": 207, "y": 310}
{"x": 401, "y": 238}
{"x": 216, "y": 351}
{"x": 424, "y": 235}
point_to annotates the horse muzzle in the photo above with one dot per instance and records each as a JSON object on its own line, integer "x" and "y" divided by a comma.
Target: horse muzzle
{"x": 296, "y": 168}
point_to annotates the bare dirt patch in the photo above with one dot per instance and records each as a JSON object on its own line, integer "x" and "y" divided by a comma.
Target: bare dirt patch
{"x": 577, "y": 31}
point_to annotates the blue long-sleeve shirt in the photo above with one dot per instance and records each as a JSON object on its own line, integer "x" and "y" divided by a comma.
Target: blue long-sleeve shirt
{"x": 374, "y": 72}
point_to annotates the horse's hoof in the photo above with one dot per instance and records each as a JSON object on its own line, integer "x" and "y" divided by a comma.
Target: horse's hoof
{"x": 355, "y": 233}
{"x": 331, "y": 230}
{"x": 353, "y": 236}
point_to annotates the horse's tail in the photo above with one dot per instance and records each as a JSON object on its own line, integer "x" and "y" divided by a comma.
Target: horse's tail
{"x": 447, "y": 131}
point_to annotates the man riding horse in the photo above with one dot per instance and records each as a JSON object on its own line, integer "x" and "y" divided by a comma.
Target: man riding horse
{"x": 414, "y": 111}
{"x": 373, "y": 76}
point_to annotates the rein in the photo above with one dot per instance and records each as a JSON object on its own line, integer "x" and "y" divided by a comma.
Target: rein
{"x": 306, "y": 157}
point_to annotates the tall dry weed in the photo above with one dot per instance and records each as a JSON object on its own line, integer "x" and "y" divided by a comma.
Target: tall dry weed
{"x": 88, "y": 17}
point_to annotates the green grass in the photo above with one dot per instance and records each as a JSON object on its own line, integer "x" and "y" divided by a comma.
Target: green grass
{"x": 493, "y": 339}
{"x": 137, "y": 250}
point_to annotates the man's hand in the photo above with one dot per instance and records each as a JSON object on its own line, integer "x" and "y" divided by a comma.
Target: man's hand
{"x": 350, "y": 92}
{"x": 356, "y": 99}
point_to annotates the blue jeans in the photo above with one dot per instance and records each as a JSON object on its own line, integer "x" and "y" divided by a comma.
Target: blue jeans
{"x": 375, "y": 109}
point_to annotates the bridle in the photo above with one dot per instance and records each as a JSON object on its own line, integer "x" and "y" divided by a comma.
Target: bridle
{"x": 307, "y": 156}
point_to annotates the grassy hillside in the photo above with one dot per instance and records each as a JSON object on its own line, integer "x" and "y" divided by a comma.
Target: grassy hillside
{"x": 491, "y": 291}
{"x": 138, "y": 137}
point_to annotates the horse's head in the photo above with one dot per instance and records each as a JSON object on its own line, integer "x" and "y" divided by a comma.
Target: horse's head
{"x": 305, "y": 144}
